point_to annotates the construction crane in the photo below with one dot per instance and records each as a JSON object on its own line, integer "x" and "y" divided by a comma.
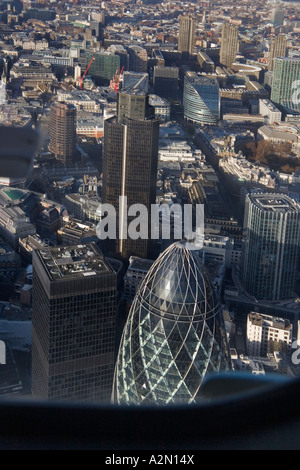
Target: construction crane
{"x": 115, "y": 82}
{"x": 80, "y": 80}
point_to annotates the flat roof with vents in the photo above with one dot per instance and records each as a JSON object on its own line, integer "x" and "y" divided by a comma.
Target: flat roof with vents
{"x": 76, "y": 261}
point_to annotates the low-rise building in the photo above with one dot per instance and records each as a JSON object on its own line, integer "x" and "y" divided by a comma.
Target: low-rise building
{"x": 136, "y": 272}
{"x": 268, "y": 109}
{"x": 266, "y": 334}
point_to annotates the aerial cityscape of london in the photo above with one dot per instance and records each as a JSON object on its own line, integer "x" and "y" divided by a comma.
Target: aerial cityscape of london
{"x": 149, "y": 198}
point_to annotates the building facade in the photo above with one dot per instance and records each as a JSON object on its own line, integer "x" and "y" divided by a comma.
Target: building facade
{"x": 266, "y": 334}
{"x": 286, "y": 74}
{"x": 73, "y": 324}
{"x": 277, "y": 16}
{"x": 103, "y": 67}
{"x": 186, "y": 37}
{"x": 201, "y": 99}
{"x": 138, "y": 59}
{"x": 278, "y": 48}
{"x": 268, "y": 109}
{"x": 165, "y": 82}
{"x": 270, "y": 246}
{"x": 130, "y": 159}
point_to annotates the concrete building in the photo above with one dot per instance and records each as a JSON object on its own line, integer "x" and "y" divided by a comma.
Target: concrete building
{"x": 161, "y": 107}
{"x": 221, "y": 249}
{"x": 229, "y": 44}
{"x": 138, "y": 59}
{"x": 205, "y": 62}
{"x": 266, "y": 334}
{"x": 63, "y": 131}
{"x": 278, "y": 48}
{"x": 186, "y": 37}
{"x": 136, "y": 272}
{"x": 268, "y": 109}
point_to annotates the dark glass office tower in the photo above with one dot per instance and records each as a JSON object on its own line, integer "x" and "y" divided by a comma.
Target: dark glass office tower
{"x": 133, "y": 104}
{"x": 63, "y": 131}
{"x": 174, "y": 335}
{"x": 271, "y": 246}
{"x": 165, "y": 81}
{"x": 201, "y": 99}
{"x": 130, "y": 158}
{"x": 73, "y": 324}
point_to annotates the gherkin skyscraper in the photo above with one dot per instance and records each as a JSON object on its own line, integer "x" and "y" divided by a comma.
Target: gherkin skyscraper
{"x": 174, "y": 335}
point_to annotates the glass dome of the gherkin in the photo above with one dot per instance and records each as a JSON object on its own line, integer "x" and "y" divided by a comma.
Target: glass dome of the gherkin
{"x": 174, "y": 334}
{"x": 178, "y": 285}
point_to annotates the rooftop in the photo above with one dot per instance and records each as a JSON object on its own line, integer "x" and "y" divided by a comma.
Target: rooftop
{"x": 274, "y": 202}
{"x": 74, "y": 261}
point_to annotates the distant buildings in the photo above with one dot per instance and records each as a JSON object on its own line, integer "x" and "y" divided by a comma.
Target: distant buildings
{"x": 174, "y": 334}
{"x": 277, "y": 16}
{"x": 186, "y": 38}
{"x": 31, "y": 73}
{"x": 73, "y": 324}
{"x": 201, "y": 99}
{"x": 63, "y": 131}
{"x": 229, "y": 44}
{"x": 286, "y": 73}
{"x": 271, "y": 246}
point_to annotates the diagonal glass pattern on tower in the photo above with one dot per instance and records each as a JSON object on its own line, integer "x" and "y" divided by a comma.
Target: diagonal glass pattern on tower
{"x": 174, "y": 335}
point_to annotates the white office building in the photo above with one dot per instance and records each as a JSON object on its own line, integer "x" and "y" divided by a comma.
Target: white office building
{"x": 266, "y": 333}
{"x": 269, "y": 110}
